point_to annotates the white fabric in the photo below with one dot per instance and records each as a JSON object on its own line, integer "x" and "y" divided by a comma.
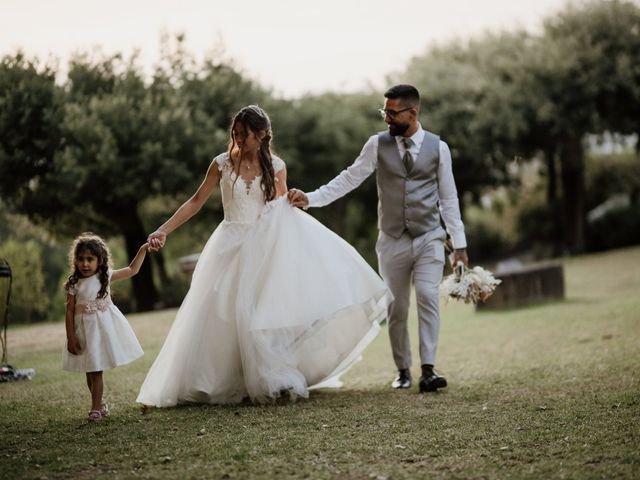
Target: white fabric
{"x": 366, "y": 164}
{"x": 277, "y": 303}
{"x": 106, "y": 338}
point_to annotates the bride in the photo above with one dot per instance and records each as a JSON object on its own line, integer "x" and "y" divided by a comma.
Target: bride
{"x": 278, "y": 304}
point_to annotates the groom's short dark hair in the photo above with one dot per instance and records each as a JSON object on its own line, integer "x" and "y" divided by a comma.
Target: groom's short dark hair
{"x": 406, "y": 93}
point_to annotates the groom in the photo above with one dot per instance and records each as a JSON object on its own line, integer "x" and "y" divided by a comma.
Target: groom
{"x": 415, "y": 187}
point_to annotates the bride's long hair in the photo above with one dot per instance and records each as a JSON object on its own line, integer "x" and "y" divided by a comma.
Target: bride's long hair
{"x": 255, "y": 119}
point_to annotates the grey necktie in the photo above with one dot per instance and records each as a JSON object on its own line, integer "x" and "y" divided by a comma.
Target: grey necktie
{"x": 406, "y": 158}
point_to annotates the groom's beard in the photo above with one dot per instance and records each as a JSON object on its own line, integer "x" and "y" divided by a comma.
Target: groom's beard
{"x": 396, "y": 129}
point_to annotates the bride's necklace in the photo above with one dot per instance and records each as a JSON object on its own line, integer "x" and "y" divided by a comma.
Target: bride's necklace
{"x": 249, "y": 165}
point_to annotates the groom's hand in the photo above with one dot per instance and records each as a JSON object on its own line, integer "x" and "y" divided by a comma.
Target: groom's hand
{"x": 298, "y": 198}
{"x": 459, "y": 255}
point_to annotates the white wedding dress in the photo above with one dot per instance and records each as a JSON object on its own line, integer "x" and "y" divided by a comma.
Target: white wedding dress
{"x": 278, "y": 303}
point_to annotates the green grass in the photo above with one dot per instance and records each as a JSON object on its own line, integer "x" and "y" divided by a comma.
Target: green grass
{"x": 547, "y": 391}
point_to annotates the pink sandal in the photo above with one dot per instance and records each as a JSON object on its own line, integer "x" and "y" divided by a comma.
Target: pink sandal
{"x": 94, "y": 416}
{"x": 104, "y": 409}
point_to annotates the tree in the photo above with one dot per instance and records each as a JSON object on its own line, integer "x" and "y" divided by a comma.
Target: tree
{"x": 520, "y": 95}
{"x": 462, "y": 96}
{"x": 118, "y": 141}
{"x": 31, "y": 112}
{"x": 589, "y": 66}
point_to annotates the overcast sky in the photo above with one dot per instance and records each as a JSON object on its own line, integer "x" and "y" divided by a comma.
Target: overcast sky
{"x": 293, "y": 46}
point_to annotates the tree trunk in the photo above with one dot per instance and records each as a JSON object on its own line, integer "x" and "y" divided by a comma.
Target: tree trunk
{"x": 573, "y": 195}
{"x": 552, "y": 197}
{"x": 130, "y": 225}
{"x": 552, "y": 176}
{"x": 158, "y": 259}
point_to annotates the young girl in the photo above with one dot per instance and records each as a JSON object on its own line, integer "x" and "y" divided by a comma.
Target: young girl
{"x": 98, "y": 336}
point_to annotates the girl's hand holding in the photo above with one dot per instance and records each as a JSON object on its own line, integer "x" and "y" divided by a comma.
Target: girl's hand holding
{"x": 73, "y": 346}
{"x": 156, "y": 240}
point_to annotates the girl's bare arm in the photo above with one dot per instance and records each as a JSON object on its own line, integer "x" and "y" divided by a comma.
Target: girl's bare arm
{"x": 134, "y": 266}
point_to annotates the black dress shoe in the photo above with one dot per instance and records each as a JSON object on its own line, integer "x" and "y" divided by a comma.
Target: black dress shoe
{"x": 430, "y": 381}
{"x": 403, "y": 379}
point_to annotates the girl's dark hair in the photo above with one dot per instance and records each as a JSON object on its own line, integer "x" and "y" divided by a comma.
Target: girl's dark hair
{"x": 255, "y": 119}
{"x": 97, "y": 246}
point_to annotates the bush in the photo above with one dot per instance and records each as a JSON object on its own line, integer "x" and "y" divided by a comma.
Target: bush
{"x": 486, "y": 238}
{"x": 620, "y": 227}
{"x": 538, "y": 225}
{"x": 29, "y": 300}
{"x": 173, "y": 290}
{"x": 610, "y": 175}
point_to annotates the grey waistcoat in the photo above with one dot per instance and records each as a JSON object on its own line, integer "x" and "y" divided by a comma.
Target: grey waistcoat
{"x": 408, "y": 201}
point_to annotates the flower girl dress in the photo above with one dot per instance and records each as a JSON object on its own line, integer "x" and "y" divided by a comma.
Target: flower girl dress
{"x": 105, "y": 336}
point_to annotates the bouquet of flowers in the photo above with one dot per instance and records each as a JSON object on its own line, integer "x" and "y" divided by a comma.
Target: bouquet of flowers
{"x": 469, "y": 284}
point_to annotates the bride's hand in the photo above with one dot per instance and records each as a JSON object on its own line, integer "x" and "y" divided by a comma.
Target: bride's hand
{"x": 298, "y": 198}
{"x": 156, "y": 240}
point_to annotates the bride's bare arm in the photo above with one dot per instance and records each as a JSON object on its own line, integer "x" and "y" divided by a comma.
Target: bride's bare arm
{"x": 188, "y": 209}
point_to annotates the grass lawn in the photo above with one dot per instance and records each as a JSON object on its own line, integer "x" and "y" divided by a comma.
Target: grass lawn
{"x": 547, "y": 391}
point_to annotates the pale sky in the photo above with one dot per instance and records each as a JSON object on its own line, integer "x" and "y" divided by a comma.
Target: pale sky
{"x": 292, "y": 46}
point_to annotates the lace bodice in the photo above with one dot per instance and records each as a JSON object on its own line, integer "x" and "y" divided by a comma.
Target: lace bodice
{"x": 86, "y": 293}
{"x": 242, "y": 200}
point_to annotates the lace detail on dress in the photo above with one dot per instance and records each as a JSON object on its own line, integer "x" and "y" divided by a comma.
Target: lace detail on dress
{"x": 92, "y": 306}
{"x": 242, "y": 199}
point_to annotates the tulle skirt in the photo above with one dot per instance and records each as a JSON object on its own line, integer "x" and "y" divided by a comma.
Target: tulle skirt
{"x": 277, "y": 306}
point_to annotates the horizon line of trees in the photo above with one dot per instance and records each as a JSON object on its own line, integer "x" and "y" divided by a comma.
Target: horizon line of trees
{"x": 111, "y": 150}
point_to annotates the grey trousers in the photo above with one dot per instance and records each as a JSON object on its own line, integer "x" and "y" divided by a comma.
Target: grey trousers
{"x": 423, "y": 258}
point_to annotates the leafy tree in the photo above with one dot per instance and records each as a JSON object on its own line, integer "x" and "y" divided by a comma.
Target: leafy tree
{"x": 117, "y": 141}
{"x": 31, "y": 112}
{"x": 589, "y": 66}
{"x": 519, "y": 95}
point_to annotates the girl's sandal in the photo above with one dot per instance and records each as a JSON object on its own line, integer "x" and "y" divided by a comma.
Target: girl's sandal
{"x": 94, "y": 416}
{"x": 104, "y": 409}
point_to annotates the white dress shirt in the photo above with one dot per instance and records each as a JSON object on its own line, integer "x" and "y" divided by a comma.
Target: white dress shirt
{"x": 366, "y": 164}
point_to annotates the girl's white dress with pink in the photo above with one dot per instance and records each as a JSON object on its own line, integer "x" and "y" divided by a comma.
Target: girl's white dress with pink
{"x": 278, "y": 303}
{"x": 106, "y": 338}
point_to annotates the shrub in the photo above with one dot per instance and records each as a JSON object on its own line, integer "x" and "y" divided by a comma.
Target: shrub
{"x": 619, "y": 227}
{"x": 538, "y": 225}
{"x": 29, "y": 300}
{"x": 486, "y": 237}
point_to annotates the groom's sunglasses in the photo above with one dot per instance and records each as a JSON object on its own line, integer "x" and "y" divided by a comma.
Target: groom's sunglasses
{"x": 392, "y": 113}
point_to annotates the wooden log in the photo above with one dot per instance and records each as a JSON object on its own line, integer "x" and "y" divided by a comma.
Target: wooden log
{"x": 527, "y": 284}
